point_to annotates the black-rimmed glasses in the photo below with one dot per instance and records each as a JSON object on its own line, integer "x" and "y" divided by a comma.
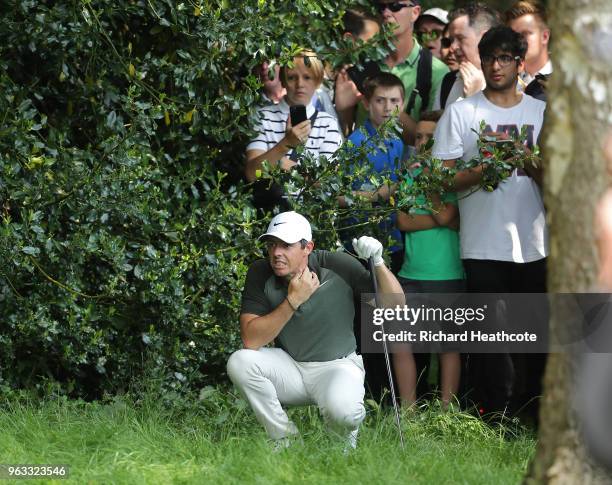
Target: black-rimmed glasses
{"x": 503, "y": 59}
{"x": 446, "y": 42}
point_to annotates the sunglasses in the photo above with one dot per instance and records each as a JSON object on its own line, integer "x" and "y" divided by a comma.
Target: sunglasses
{"x": 428, "y": 36}
{"x": 393, "y": 6}
{"x": 503, "y": 60}
{"x": 446, "y": 42}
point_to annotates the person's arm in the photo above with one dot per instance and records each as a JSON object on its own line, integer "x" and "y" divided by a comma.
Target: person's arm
{"x": 384, "y": 192}
{"x": 536, "y": 173}
{"x": 465, "y": 178}
{"x": 346, "y": 118}
{"x": 449, "y": 137}
{"x": 388, "y": 284}
{"x": 259, "y": 330}
{"x": 444, "y": 213}
{"x": 294, "y": 135}
{"x": 255, "y": 158}
{"x": 346, "y": 99}
{"x": 367, "y": 247}
{"x": 408, "y": 128}
{"x": 415, "y": 222}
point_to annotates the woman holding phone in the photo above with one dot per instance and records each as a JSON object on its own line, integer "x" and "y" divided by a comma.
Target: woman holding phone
{"x": 277, "y": 136}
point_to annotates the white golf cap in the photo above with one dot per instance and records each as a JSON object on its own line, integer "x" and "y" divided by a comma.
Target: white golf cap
{"x": 289, "y": 227}
{"x": 437, "y": 13}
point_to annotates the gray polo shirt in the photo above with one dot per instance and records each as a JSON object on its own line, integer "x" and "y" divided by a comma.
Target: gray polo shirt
{"x": 322, "y": 328}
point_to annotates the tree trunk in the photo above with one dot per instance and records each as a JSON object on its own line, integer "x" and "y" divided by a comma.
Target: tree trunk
{"x": 579, "y": 115}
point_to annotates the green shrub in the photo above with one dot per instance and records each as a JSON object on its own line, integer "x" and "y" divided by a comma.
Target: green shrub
{"x": 125, "y": 232}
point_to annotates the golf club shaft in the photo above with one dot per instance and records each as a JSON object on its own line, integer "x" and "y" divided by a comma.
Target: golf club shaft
{"x": 386, "y": 350}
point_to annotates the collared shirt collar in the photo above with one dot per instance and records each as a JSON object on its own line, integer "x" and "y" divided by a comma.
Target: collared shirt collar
{"x": 279, "y": 283}
{"x": 546, "y": 69}
{"x": 413, "y": 57}
{"x": 284, "y": 106}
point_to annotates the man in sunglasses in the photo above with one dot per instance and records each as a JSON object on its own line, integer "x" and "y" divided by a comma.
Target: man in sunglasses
{"x": 404, "y": 61}
{"x": 429, "y": 27}
{"x": 504, "y": 239}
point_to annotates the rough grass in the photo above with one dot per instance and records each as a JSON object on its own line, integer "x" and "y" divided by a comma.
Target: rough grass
{"x": 216, "y": 440}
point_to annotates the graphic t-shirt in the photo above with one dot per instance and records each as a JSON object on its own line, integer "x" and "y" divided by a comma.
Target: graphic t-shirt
{"x": 509, "y": 223}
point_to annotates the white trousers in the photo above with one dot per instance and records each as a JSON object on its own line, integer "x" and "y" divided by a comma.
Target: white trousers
{"x": 269, "y": 377}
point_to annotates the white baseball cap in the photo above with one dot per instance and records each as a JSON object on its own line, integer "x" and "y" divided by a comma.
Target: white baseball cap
{"x": 437, "y": 13}
{"x": 289, "y": 227}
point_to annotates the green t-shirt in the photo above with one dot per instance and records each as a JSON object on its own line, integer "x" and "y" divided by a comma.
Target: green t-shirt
{"x": 322, "y": 328}
{"x": 407, "y": 72}
{"x": 432, "y": 254}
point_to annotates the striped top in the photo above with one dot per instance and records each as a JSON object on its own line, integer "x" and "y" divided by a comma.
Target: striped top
{"x": 324, "y": 139}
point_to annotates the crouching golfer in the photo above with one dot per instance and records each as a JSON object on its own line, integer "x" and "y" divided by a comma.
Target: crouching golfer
{"x": 304, "y": 301}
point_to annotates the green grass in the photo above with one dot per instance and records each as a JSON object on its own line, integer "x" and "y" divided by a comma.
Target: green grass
{"x": 217, "y": 440}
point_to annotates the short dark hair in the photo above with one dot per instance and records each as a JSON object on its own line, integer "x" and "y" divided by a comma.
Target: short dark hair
{"x": 481, "y": 17}
{"x": 354, "y": 21}
{"x": 382, "y": 80}
{"x": 433, "y": 116}
{"x": 527, "y": 7}
{"x": 502, "y": 38}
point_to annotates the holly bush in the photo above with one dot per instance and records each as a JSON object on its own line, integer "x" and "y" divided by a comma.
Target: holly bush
{"x": 125, "y": 228}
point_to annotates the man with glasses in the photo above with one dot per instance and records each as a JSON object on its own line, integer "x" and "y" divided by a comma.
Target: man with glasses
{"x": 404, "y": 61}
{"x": 504, "y": 239}
{"x": 466, "y": 26}
{"x": 303, "y": 300}
{"x": 429, "y": 27}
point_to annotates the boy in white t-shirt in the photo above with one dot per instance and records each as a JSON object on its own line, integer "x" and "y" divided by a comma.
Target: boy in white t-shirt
{"x": 504, "y": 239}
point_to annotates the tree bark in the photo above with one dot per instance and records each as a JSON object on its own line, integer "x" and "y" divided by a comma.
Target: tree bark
{"x": 578, "y": 118}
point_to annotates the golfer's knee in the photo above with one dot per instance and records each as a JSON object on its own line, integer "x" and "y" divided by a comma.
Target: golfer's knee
{"x": 241, "y": 365}
{"x": 348, "y": 415}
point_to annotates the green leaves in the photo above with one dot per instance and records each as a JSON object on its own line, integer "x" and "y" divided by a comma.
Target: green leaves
{"x": 498, "y": 159}
{"x": 122, "y": 213}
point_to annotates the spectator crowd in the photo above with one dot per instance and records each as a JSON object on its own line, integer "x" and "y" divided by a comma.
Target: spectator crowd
{"x": 447, "y": 75}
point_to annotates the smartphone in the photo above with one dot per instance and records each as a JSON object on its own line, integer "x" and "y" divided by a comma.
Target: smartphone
{"x": 297, "y": 114}
{"x": 359, "y": 74}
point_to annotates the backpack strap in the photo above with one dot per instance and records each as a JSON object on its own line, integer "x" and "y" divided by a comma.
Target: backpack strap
{"x": 423, "y": 81}
{"x": 445, "y": 88}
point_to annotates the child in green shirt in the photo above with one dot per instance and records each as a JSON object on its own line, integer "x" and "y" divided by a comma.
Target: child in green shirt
{"x": 432, "y": 264}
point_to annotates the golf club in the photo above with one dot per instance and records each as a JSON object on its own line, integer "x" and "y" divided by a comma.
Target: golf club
{"x": 387, "y": 360}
